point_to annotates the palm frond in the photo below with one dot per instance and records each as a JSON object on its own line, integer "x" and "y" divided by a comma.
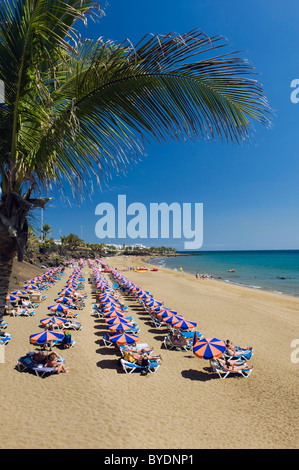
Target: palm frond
{"x": 80, "y": 110}
{"x": 113, "y": 100}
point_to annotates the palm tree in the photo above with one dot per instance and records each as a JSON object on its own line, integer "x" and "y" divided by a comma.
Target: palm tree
{"x": 76, "y": 110}
{"x": 46, "y": 230}
{"x": 72, "y": 241}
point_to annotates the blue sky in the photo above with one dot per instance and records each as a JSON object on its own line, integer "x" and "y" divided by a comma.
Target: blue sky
{"x": 249, "y": 192}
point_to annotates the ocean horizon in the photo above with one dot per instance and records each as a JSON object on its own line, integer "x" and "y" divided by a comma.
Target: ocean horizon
{"x": 271, "y": 270}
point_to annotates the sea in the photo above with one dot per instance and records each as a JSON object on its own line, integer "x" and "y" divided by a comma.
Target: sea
{"x": 270, "y": 270}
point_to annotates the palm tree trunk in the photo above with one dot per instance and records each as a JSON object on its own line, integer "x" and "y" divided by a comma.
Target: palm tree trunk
{"x": 8, "y": 250}
{"x": 13, "y": 235}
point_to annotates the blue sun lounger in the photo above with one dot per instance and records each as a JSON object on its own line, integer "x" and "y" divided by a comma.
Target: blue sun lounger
{"x": 245, "y": 354}
{"x": 223, "y": 372}
{"x": 5, "y": 339}
{"x": 106, "y": 341}
{"x": 125, "y": 348}
{"x": 67, "y": 344}
{"x": 129, "y": 367}
{"x": 190, "y": 334}
{"x": 26, "y": 313}
{"x": 26, "y": 363}
{"x": 3, "y": 325}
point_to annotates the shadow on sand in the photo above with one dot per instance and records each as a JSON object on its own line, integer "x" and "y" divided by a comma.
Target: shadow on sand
{"x": 202, "y": 376}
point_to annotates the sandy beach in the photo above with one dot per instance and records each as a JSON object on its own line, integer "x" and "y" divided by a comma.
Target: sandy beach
{"x": 183, "y": 406}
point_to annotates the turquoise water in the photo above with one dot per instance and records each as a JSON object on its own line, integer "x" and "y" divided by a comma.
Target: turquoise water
{"x": 276, "y": 271}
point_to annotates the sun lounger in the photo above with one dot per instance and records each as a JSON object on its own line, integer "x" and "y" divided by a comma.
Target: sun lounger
{"x": 133, "y": 331}
{"x": 21, "y": 312}
{"x": 241, "y": 353}
{"x": 134, "y": 349}
{"x": 168, "y": 344}
{"x": 99, "y": 313}
{"x": 59, "y": 359}
{"x": 5, "y": 339}
{"x": 190, "y": 334}
{"x": 64, "y": 344}
{"x": 107, "y": 341}
{"x": 71, "y": 326}
{"x": 26, "y": 363}
{"x": 156, "y": 322}
{"x": 223, "y": 372}
{"x": 3, "y": 325}
{"x": 130, "y": 367}
{"x": 26, "y": 313}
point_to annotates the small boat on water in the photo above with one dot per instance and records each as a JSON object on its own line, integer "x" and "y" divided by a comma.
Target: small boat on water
{"x": 231, "y": 270}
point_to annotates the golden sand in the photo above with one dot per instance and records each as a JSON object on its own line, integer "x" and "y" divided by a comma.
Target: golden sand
{"x": 183, "y": 405}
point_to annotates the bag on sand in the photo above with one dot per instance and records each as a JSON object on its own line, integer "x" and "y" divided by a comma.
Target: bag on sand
{"x": 128, "y": 357}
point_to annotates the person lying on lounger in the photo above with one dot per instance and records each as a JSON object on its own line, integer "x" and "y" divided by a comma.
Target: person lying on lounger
{"x": 143, "y": 361}
{"x": 137, "y": 349}
{"x": 143, "y": 355}
{"x": 42, "y": 358}
{"x": 178, "y": 340}
{"x": 60, "y": 367}
{"x": 72, "y": 324}
{"x": 233, "y": 365}
{"x": 3, "y": 334}
{"x": 232, "y": 350}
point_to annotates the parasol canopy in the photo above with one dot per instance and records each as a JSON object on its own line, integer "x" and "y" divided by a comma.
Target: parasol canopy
{"x": 124, "y": 338}
{"x": 12, "y": 298}
{"x": 55, "y": 320}
{"x": 209, "y": 348}
{"x": 185, "y": 325}
{"x": 45, "y": 337}
{"x": 58, "y": 308}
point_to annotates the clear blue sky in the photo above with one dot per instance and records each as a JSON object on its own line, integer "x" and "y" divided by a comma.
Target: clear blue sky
{"x": 249, "y": 192}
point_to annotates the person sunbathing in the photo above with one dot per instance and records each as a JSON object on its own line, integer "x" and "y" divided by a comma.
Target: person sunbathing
{"x": 41, "y": 358}
{"x": 233, "y": 366}
{"x": 72, "y": 324}
{"x": 144, "y": 361}
{"x": 144, "y": 355}
{"x": 178, "y": 339}
{"x": 136, "y": 349}
{"x": 49, "y": 326}
{"x": 59, "y": 366}
{"x": 233, "y": 350}
{"x": 3, "y": 333}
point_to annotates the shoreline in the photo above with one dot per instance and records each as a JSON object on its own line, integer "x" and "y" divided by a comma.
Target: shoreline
{"x": 226, "y": 281}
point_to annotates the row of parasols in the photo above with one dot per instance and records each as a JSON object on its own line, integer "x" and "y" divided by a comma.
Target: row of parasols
{"x": 61, "y": 311}
{"x": 36, "y": 284}
{"x": 205, "y": 348}
{"x": 122, "y": 329}
{"x": 33, "y": 285}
